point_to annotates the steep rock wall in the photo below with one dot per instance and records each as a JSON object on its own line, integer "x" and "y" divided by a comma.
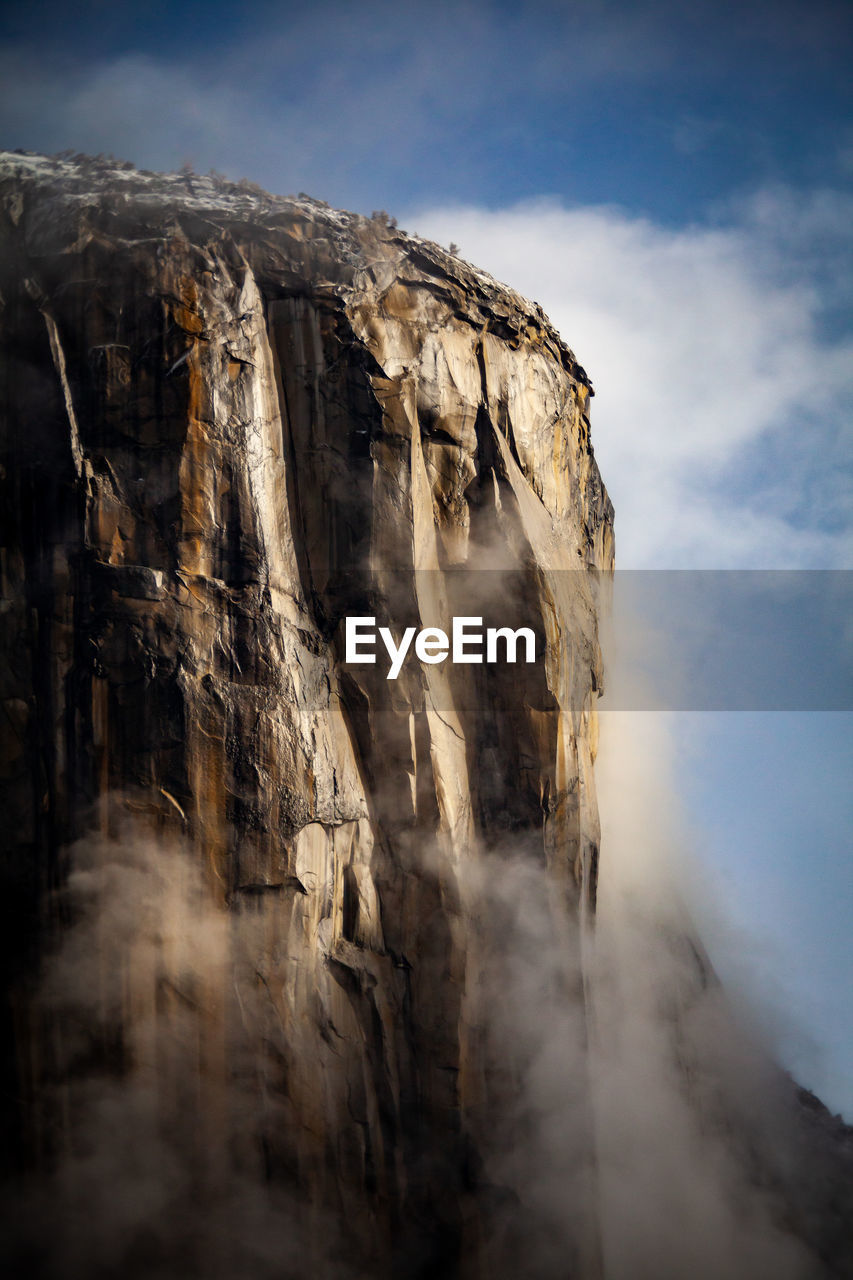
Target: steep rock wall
{"x": 230, "y": 420}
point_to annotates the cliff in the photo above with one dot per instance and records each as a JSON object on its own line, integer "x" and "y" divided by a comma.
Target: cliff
{"x": 299, "y": 966}
{"x": 278, "y": 887}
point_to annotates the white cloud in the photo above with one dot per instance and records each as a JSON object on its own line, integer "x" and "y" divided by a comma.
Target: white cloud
{"x": 719, "y": 420}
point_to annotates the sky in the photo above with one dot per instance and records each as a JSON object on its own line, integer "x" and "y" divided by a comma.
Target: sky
{"x": 673, "y": 183}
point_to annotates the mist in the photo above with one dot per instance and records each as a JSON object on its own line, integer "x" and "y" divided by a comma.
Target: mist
{"x": 632, "y": 1124}
{"x": 696, "y": 1136}
{"x": 148, "y": 1046}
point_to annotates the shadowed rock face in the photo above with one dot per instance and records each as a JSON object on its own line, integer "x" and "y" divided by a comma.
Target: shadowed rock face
{"x": 296, "y": 956}
{"x": 230, "y": 421}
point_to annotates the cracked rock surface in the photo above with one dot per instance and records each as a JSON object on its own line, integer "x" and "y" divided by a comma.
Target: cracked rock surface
{"x": 231, "y": 420}
{"x": 293, "y": 953}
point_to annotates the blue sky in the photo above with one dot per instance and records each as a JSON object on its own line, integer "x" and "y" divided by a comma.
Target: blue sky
{"x": 663, "y": 108}
{"x": 673, "y": 182}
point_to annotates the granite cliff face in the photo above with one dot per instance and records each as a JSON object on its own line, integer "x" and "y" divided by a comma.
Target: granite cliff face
{"x": 299, "y": 972}
{"x": 231, "y": 421}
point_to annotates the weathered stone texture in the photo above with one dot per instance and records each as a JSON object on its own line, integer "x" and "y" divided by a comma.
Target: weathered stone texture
{"x": 229, "y": 421}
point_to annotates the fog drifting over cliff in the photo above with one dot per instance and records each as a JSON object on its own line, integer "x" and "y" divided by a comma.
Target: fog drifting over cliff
{"x": 683, "y": 1166}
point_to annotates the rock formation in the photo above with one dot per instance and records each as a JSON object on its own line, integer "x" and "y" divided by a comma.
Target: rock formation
{"x": 297, "y": 957}
{"x": 231, "y": 421}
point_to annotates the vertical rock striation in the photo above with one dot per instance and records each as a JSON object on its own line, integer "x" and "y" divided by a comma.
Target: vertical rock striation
{"x": 230, "y": 421}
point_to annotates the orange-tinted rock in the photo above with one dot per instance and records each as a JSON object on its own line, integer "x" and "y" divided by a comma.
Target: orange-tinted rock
{"x": 231, "y": 421}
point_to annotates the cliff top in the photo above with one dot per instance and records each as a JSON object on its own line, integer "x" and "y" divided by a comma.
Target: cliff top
{"x": 79, "y": 189}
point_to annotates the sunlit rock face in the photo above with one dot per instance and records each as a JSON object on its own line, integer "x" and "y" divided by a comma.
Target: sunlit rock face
{"x": 231, "y": 421}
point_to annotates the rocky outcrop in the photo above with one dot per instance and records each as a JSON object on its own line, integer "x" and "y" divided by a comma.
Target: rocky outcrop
{"x": 298, "y": 968}
{"x": 231, "y": 421}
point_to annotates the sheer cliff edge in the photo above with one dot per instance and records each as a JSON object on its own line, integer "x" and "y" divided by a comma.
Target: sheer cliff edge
{"x": 231, "y": 421}
{"x": 307, "y": 966}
